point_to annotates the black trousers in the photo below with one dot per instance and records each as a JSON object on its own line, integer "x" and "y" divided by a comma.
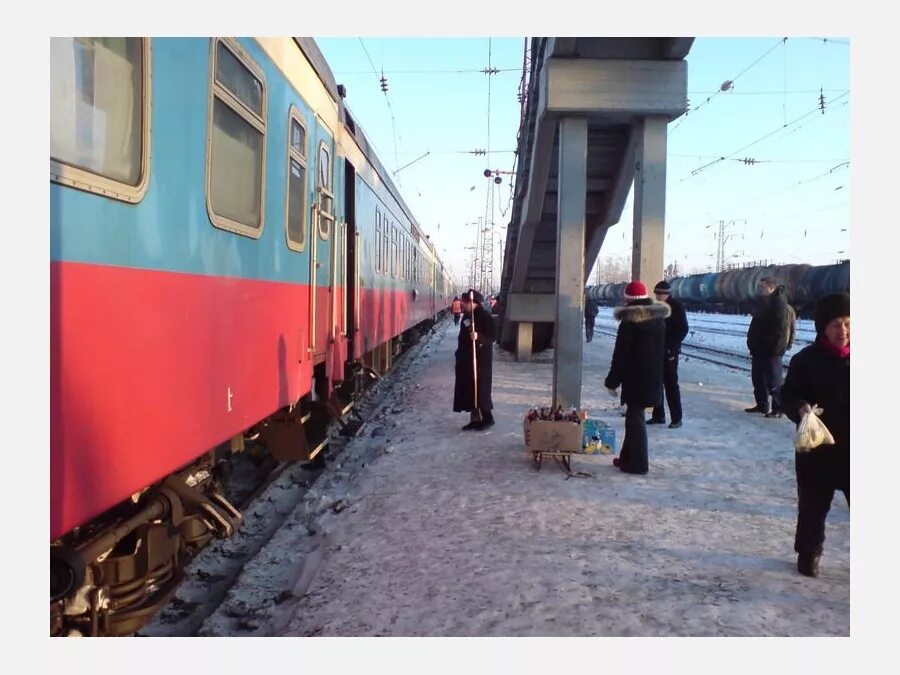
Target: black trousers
{"x": 589, "y": 328}
{"x": 456, "y": 319}
{"x": 633, "y": 456}
{"x": 767, "y": 376}
{"x": 671, "y": 391}
{"x": 820, "y": 472}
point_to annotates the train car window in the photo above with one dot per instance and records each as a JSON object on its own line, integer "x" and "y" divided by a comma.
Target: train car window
{"x": 385, "y": 246}
{"x": 395, "y": 251}
{"x": 237, "y": 79}
{"x": 323, "y": 188}
{"x": 298, "y": 136}
{"x": 296, "y": 190}
{"x": 378, "y": 246}
{"x": 391, "y": 251}
{"x": 100, "y": 115}
{"x": 236, "y": 149}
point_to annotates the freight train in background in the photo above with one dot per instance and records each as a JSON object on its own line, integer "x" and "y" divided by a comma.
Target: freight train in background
{"x": 229, "y": 260}
{"x": 735, "y": 291}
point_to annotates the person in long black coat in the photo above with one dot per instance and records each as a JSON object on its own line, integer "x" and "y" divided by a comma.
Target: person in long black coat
{"x": 591, "y": 309}
{"x": 819, "y": 375}
{"x": 637, "y": 365}
{"x": 767, "y": 341}
{"x": 676, "y": 331}
{"x": 464, "y": 389}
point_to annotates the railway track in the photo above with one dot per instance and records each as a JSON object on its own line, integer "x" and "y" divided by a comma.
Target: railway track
{"x": 740, "y": 334}
{"x": 722, "y": 357}
{"x": 269, "y": 507}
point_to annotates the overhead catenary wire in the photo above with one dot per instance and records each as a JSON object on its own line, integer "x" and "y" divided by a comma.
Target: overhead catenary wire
{"x": 384, "y": 89}
{"x": 760, "y": 139}
{"x": 824, "y": 160}
{"x": 831, "y": 171}
{"x": 728, "y": 85}
{"x": 469, "y": 71}
{"x": 773, "y": 92}
{"x": 831, "y": 41}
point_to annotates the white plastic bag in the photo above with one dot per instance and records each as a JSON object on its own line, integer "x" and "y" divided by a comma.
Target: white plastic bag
{"x": 812, "y": 432}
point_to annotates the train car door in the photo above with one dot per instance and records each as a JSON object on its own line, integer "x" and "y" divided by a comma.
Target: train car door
{"x": 433, "y": 284}
{"x": 322, "y": 237}
{"x": 351, "y": 261}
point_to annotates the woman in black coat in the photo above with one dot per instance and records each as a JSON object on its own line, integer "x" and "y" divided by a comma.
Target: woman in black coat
{"x": 819, "y": 375}
{"x": 637, "y": 365}
{"x": 481, "y": 416}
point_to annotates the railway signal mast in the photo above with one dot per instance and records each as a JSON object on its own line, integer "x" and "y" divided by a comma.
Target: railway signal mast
{"x": 721, "y": 238}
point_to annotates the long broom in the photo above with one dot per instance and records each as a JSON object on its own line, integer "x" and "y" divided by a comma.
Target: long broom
{"x": 477, "y": 411}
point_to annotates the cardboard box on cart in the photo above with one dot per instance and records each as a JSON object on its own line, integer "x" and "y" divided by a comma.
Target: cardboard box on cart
{"x": 553, "y": 436}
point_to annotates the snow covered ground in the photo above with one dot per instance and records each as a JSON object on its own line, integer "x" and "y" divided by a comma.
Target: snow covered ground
{"x": 452, "y": 533}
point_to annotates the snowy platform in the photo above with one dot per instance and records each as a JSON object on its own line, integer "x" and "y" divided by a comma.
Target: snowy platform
{"x": 455, "y": 533}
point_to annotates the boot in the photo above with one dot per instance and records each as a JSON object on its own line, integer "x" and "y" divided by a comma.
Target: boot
{"x": 808, "y": 564}
{"x": 474, "y": 422}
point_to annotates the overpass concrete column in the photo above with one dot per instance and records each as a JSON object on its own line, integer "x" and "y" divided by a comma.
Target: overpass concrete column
{"x": 570, "y": 261}
{"x": 649, "y": 200}
{"x": 523, "y": 341}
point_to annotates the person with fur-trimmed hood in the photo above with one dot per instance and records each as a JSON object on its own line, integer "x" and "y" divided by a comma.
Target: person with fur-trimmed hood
{"x": 819, "y": 375}
{"x": 637, "y": 365}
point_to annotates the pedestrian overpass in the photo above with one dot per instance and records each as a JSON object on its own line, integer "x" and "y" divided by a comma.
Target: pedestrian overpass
{"x": 594, "y": 122}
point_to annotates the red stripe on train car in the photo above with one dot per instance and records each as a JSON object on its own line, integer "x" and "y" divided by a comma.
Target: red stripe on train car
{"x": 386, "y": 313}
{"x": 150, "y": 369}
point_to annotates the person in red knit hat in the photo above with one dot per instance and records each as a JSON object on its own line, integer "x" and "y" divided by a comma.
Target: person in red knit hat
{"x": 637, "y": 366}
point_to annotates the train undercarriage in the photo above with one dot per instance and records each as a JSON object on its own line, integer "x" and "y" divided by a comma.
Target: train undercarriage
{"x": 110, "y": 576}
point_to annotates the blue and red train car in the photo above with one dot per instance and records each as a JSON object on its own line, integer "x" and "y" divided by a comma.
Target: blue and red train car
{"x": 226, "y": 250}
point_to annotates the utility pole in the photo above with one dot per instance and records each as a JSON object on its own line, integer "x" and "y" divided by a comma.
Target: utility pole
{"x": 477, "y": 253}
{"x": 722, "y": 237}
{"x": 487, "y": 259}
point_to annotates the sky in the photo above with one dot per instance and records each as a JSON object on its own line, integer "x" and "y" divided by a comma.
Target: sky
{"x": 789, "y": 204}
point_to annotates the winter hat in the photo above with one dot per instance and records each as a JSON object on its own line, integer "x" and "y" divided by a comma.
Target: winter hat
{"x": 831, "y": 307}
{"x": 662, "y": 288}
{"x": 472, "y": 294}
{"x": 635, "y": 291}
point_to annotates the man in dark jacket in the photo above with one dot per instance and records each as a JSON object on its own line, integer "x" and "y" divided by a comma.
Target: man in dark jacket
{"x": 637, "y": 366}
{"x": 767, "y": 340}
{"x": 591, "y": 309}
{"x": 482, "y": 330}
{"x": 819, "y": 375}
{"x": 676, "y": 331}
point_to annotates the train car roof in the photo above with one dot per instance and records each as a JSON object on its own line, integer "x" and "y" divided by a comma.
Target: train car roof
{"x": 311, "y": 51}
